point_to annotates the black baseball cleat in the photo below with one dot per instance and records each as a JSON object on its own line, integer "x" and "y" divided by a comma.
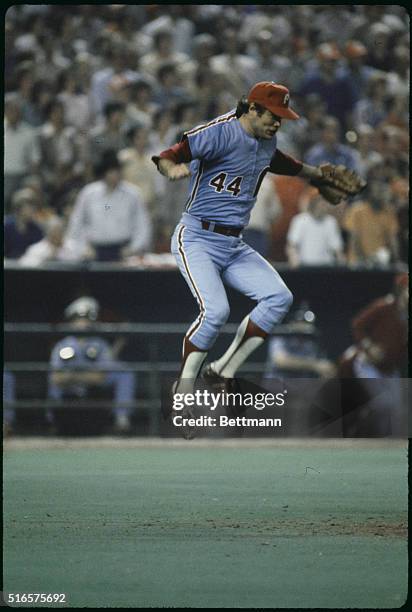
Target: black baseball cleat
{"x": 214, "y": 380}
{"x": 185, "y": 413}
{"x": 221, "y": 384}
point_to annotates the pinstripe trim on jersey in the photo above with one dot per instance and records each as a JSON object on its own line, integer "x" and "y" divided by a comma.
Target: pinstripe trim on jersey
{"x": 205, "y": 126}
{"x": 195, "y": 186}
{"x": 260, "y": 179}
{"x": 199, "y": 320}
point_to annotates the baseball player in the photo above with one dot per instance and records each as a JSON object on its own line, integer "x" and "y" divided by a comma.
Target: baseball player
{"x": 373, "y": 367}
{"x": 228, "y": 158}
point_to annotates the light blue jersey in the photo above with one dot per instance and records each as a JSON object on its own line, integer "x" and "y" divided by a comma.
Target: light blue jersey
{"x": 227, "y": 169}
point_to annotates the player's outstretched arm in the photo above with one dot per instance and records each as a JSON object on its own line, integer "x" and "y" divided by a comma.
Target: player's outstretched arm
{"x": 171, "y": 170}
{"x": 284, "y": 164}
{"x": 172, "y": 162}
{"x": 335, "y": 183}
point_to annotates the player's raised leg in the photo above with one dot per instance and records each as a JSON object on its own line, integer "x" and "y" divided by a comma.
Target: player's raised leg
{"x": 253, "y": 276}
{"x": 201, "y": 272}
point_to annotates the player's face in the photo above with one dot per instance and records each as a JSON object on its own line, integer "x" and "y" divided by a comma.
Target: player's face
{"x": 266, "y": 125}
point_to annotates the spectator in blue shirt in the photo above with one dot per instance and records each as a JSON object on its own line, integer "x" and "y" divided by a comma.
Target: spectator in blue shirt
{"x": 82, "y": 366}
{"x": 20, "y": 231}
{"x": 294, "y": 362}
{"x": 299, "y": 355}
{"x": 333, "y": 86}
{"x": 169, "y": 90}
{"x": 331, "y": 150}
{"x": 356, "y": 68}
{"x": 373, "y": 106}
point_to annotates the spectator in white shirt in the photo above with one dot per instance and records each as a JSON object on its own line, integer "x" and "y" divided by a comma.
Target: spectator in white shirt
{"x": 109, "y": 134}
{"x": 75, "y": 102}
{"x": 314, "y": 237}
{"x": 365, "y": 145}
{"x": 109, "y": 220}
{"x": 163, "y": 52}
{"x": 239, "y": 69}
{"x": 60, "y": 148}
{"x": 52, "y": 248}
{"x": 137, "y": 167}
{"x": 115, "y": 66}
{"x": 141, "y": 108}
{"x": 176, "y": 19}
{"x": 272, "y": 65}
{"x": 21, "y": 148}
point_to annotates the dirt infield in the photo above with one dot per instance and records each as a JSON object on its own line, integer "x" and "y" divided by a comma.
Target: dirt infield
{"x": 291, "y": 527}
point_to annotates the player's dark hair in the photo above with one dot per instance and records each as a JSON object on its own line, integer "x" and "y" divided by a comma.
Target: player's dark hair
{"x": 243, "y": 107}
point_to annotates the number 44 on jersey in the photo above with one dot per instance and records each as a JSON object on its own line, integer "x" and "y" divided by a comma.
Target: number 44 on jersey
{"x": 218, "y": 183}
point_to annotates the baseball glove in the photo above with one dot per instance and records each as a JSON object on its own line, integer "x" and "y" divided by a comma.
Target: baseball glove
{"x": 338, "y": 183}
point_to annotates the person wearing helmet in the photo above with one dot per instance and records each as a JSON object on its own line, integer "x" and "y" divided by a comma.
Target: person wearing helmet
{"x": 84, "y": 367}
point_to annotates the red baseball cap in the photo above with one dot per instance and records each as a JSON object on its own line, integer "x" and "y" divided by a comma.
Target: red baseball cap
{"x": 273, "y": 97}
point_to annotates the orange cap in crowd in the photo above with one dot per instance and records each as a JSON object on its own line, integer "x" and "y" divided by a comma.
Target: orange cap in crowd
{"x": 354, "y": 49}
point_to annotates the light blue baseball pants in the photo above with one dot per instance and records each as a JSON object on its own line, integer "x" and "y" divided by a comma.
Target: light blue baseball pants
{"x": 208, "y": 261}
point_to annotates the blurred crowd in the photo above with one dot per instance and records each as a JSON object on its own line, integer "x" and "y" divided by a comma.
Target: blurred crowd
{"x": 92, "y": 91}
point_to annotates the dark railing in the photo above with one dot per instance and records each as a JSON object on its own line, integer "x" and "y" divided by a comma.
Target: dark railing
{"x": 34, "y": 297}
{"x": 154, "y": 368}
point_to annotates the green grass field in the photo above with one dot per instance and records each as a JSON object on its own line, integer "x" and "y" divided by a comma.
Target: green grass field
{"x": 285, "y": 525}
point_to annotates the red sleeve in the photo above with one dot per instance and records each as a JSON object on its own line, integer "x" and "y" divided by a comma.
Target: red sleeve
{"x": 364, "y": 323}
{"x": 180, "y": 153}
{"x": 281, "y": 163}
